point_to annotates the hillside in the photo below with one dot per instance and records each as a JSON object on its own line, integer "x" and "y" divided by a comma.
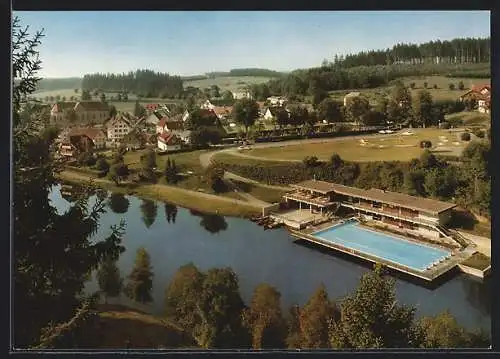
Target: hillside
{"x": 120, "y": 327}
{"x": 231, "y": 83}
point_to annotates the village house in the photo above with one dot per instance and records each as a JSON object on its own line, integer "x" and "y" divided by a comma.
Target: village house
{"x": 154, "y": 117}
{"x": 73, "y": 141}
{"x": 117, "y": 128}
{"x": 168, "y": 141}
{"x": 277, "y": 101}
{"x": 60, "y": 111}
{"x": 270, "y": 113}
{"x": 222, "y": 112}
{"x": 152, "y": 107}
{"x": 207, "y": 105}
{"x": 480, "y": 94}
{"x": 241, "y": 95}
{"x": 85, "y": 111}
{"x": 349, "y": 96}
{"x": 167, "y": 124}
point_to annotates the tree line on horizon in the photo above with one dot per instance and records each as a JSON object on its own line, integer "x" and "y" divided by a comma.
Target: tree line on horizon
{"x": 456, "y": 51}
{"x": 143, "y": 83}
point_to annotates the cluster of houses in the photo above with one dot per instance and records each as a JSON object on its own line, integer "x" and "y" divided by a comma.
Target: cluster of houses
{"x": 158, "y": 127}
{"x": 482, "y": 95}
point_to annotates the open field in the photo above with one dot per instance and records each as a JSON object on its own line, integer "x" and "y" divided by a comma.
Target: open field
{"x": 470, "y": 118}
{"x": 230, "y": 83}
{"x": 383, "y": 148}
{"x": 441, "y": 93}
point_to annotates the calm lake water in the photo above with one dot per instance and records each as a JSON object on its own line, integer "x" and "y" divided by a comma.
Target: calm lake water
{"x": 175, "y": 236}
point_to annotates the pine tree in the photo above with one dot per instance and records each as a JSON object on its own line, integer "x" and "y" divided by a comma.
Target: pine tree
{"x": 109, "y": 279}
{"x": 140, "y": 280}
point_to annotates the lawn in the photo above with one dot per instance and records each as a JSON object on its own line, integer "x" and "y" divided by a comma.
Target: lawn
{"x": 230, "y": 83}
{"x": 383, "y": 148}
{"x": 263, "y": 193}
{"x": 186, "y": 161}
{"x": 470, "y": 118}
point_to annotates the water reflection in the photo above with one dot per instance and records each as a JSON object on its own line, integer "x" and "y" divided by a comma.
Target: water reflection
{"x": 170, "y": 212}
{"x": 118, "y": 203}
{"x": 73, "y": 193}
{"x": 479, "y": 294}
{"x": 212, "y": 223}
{"x": 149, "y": 211}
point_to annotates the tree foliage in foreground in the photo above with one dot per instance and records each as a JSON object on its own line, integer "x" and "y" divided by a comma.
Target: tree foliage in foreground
{"x": 53, "y": 253}
{"x": 371, "y": 317}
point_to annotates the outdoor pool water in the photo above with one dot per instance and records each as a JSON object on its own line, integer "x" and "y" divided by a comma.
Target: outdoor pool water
{"x": 396, "y": 250}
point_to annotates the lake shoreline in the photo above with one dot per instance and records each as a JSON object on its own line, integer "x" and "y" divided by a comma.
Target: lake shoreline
{"x": 199, "y": 201}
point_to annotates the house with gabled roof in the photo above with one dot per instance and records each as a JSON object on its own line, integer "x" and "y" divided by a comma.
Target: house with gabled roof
{"x": 168, "y": 141}
{"x": 60, "y": 111}
{"x": 117, "y": 128}
{"x": 92, "y": 111}
{"x": 169, "y": 124}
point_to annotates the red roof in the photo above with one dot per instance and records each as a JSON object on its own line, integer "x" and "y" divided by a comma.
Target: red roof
{"x": 162, "y": 122}
{"x": 168, "y": 138}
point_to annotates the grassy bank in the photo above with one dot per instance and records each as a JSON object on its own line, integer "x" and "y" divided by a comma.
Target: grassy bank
{"x": 121, "y": 327}
{"x": 202, "y": 202}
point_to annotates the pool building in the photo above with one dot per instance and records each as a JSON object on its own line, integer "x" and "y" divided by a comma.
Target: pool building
{"x": 419, "y": 216}
{"x": 403, "y": 232}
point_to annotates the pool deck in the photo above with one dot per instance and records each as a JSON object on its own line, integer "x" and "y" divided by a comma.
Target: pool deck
{"x": 428, "y": 275}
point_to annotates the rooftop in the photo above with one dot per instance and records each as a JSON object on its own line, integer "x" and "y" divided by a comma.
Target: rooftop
{"x": 373, "y": 194}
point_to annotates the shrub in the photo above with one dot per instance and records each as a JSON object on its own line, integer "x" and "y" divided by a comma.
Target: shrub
{"x": 478, "y": 132}
{"x": 311, "y": 161}
{"x": 451, "y": 86}
{"x": 102, "y": 165}
{"x": 86, "y": 159}
{"x": 412, "y": 85}
{"x": 461, "y": 86}
{"x": 426, "y": 84}
{"x": 444, "y": 125}
{"x": 435, "y": 86}
{"x": 465, "y": 136}
{"x": 425, "y": 144}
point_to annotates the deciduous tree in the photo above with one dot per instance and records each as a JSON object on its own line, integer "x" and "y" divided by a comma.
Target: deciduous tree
{"x": 371, "y": 317}
{"x": 264, "y": 319}
{"x": 245, "y": 112}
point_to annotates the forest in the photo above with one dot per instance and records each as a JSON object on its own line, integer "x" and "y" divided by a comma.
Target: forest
{"x": 456, "y": 51}
{"x": 143, "y": 83}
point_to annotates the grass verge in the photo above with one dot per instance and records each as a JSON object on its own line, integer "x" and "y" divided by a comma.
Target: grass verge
{"x": 202, "y": 202}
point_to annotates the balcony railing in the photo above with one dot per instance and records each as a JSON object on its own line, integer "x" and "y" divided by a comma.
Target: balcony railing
{"x": 393, "y": 213}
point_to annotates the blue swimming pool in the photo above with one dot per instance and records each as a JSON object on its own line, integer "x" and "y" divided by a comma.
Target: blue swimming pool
{"x": 390, "y": 248}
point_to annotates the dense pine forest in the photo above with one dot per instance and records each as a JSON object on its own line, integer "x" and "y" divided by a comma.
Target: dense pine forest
{"x": 456, "y": 51}
{"x": 144, "y": 83}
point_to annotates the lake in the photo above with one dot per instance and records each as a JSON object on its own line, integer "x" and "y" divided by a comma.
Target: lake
{"x": 176, "y": 236}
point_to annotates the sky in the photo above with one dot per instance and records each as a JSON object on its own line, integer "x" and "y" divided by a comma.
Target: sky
{"x": 195, "y": 42}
